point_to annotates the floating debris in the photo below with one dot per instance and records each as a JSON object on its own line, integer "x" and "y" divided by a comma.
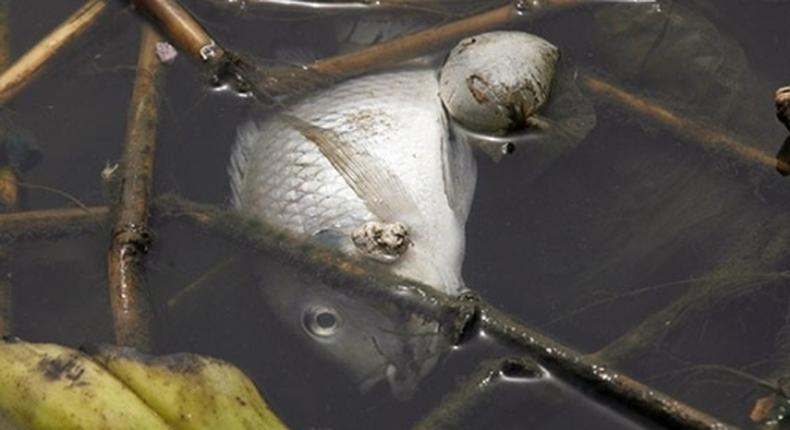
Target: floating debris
{"x": 382, "y": 241}
{"x": 47, "y": 386}
{"x": 166, "y": 52}
{"x": 496, "y": 81}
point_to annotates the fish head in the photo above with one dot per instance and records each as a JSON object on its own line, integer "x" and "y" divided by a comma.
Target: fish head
{"x": 369, "y": 341}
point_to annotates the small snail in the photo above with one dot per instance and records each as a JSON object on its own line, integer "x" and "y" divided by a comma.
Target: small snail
{"x": 494, "y": 82}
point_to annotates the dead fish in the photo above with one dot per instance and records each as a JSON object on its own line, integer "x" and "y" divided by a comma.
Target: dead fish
{"x": 367, "y": 166}
{"x": 368, "y": 154}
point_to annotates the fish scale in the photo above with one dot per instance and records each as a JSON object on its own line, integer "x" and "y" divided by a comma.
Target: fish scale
{"x": 393, "y": 131}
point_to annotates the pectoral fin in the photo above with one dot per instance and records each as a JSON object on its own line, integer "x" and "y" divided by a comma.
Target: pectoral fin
{"x": 384, "y": 194}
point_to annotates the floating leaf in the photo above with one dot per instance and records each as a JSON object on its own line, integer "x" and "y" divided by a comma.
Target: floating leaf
{"x": 47, "y": 386}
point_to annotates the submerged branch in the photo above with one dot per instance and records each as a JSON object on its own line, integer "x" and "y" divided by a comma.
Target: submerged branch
{"x": 130, "y": 237}
{"x": 459, "y": 316}
{"x": 26, "y": 68}
{"x": 697, "y": 132}
{"x": 468, "y": 397}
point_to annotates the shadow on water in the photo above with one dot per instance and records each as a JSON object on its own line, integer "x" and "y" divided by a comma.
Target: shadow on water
{"x": 613, "y": 234}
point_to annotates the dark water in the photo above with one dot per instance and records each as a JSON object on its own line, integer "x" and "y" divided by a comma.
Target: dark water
{"x": 616, "y": 230}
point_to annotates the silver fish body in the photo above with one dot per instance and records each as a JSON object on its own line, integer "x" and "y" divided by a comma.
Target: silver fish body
{"x": 372, "y": 149}
{"x": 400, "y": 166}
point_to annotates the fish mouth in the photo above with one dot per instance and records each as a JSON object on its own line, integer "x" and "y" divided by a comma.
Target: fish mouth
{"x": 403, "y": 380}
{"x": 406, "y": 365}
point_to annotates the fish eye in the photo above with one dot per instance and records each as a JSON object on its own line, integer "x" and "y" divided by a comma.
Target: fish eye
{"x": 321, "y": 321}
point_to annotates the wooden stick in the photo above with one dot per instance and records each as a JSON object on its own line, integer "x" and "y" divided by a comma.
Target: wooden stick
{"x": 395, "y": 51}
{"x": 183, "y": 29}
{"x": 130, "y": 239}
{"x": 26, "y": 68}
{"x": 698, "y": 132}
{"x": 582, "y": 370}
{"x": 458, "y": 316}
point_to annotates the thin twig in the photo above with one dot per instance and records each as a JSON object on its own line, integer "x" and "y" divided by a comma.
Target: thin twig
{"x": 197, "y": 283}
{"x": 468, "y": 397}
{"x": 458, "y": 315}
{"x": 130, "y": 238}
{"x": 26, "y": 68}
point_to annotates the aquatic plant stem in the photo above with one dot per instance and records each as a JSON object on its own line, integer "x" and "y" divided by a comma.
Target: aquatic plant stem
{"x": 458, "y": 316}
{"x": 694, "y": 131}
{"x": 27, "y": 67}
{"x": 470, "y": 394}
{"x": 130, "y": 237}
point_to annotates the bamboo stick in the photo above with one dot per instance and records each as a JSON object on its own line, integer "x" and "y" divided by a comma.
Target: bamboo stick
{"x": 458, "y": 316}
{"x": 130, "y": 238}
{"x": 26, "y": 68}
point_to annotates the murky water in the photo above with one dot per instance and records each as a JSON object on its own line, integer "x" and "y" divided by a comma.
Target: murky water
{"x": 615, "y": 231}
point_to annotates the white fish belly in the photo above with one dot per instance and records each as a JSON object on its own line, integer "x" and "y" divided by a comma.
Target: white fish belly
{"x": 394, "y": 119}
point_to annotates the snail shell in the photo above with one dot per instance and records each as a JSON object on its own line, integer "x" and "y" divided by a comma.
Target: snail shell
{"x": 493, "y": 82}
